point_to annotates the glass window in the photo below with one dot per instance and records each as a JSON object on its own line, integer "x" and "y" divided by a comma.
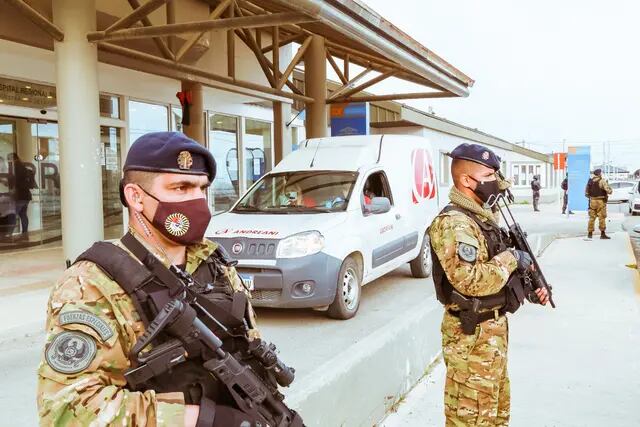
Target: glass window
{"x": 303, "y": 192}
{"x": 376, "y": 186}
{"x": 257, "y": 150}
{"x": 110, "y": 160}
{"x": 515, "y": 174}
{"x": 223, "y": 144}
{"x": 110, "y": 106}
{"x": 445, "y": 168}
{"x": 176, "y": 119}
{"x": 145, "y": 118}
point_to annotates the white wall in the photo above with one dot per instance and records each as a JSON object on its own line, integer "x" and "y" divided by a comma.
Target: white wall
{"x": 444, "y": 142}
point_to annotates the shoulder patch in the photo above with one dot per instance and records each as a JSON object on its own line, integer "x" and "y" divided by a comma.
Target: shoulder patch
{"x": 71, "y": 352}
{"x": 89, "y": 319}
{"x": 467, "y": 252}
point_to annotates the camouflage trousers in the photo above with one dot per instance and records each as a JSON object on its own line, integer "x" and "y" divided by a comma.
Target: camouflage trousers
{"x": 597, "y": 208}
{"x": 476, "y": 391}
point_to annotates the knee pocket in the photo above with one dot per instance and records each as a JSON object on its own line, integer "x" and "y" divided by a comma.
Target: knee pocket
{"x": 468, "y": 406}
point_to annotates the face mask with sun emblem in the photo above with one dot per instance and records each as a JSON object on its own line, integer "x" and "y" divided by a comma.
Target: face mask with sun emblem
{"x": 182, "y": 222}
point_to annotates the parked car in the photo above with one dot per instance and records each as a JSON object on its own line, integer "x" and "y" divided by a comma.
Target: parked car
{"x": 634, "y": 199}
{"x": 333, "y": 216}
{"x": 620, "y": 191}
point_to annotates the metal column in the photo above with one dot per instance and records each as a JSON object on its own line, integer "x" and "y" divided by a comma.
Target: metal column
{"x": 79, "y": 126}
{"x": 316, "y": 87}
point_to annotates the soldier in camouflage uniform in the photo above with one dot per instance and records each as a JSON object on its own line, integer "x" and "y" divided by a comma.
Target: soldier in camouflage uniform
{"x": 597, "y": 191}
{"x": 92, "y": 324}
{"x": 477, "y": 385}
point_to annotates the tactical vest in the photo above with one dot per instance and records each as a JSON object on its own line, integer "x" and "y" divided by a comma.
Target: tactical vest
{"x": 496, "y": 243}
{"x": 150, "y": 292}
{"x": 594, "y": 190}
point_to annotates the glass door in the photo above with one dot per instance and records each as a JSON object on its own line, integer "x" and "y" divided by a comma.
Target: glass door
{"x": 29, "y": 183}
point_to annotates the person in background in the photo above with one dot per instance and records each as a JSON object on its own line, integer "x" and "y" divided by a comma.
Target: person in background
{"x": 22, "y": 181}
{"x": 535, "y": 187}
{"x": 565, "y": 197}
{"x": 597, "y": 191}
{"x": 295, "y": 197}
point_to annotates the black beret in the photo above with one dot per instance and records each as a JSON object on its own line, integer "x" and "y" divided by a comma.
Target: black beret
{"x": 478, "y": 154}
{"x": 597, "y": 171}
{"x": 171, "y": 152}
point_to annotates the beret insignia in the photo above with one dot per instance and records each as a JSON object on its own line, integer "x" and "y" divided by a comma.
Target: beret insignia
{"x": 185, "y": 161}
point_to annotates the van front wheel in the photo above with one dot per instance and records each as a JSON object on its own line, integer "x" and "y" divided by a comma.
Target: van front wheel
{"x": 422, "y": 264}
{"x": 348, "y": 291}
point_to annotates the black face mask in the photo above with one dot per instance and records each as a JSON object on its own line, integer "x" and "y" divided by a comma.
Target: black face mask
{"x": 487, "y": 191}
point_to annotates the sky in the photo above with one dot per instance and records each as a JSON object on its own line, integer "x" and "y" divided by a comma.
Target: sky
{"x": 545, "y": 71}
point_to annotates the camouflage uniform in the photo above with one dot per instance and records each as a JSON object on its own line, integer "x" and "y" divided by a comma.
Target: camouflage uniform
{"x": 477, "y": 384}
{"x": 598, "y": 206}
{"x": 108, "y": 329}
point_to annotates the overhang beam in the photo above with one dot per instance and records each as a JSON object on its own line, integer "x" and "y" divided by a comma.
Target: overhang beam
{"x": 243, "y": 22}
{"x": 160, "y": 43}
{"x": 135, "y": 16}
{"x": 391, "y": 97}
{"x": 37, "y": 18}
{"x": 152, "y": 59}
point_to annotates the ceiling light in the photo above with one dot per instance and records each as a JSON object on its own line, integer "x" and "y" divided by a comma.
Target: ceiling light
{"x": 49, "y": 97}
{"x": 28, "y": 87}
{"x": 25, "y": 99}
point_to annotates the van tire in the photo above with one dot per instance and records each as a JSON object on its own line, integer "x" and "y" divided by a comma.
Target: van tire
{"x": 422, "y": 264}
{"x": 348, "y": 291}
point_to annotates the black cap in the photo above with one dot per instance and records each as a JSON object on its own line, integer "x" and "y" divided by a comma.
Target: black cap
{"x": 597, "y": 172}
{"x": 171, "y": 152}
{"x": 478, "y": 154}
{"x": 168, "y": 152}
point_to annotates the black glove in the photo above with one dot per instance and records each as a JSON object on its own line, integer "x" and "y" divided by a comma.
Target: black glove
{"x": 227, "y": 416}
{"x": 524, "y": 260}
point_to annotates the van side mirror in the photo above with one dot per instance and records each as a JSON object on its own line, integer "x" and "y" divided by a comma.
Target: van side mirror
{"x": 379, "y": 205}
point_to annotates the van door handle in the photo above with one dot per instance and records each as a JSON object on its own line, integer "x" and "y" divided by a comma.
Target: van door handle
{"x": 398, "y": 216}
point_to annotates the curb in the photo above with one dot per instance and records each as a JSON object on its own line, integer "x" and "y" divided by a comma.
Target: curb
{"x": 358, "y": 386}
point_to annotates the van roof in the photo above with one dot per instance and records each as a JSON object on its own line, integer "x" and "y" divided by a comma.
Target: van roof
{"x": 344, "y": 153}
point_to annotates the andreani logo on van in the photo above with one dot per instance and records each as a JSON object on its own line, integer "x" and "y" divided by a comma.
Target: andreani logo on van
{"x": 424, "y": 180}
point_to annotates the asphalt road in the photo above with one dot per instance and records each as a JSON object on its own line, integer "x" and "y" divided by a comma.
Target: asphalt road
{"x": 304, "y": 338}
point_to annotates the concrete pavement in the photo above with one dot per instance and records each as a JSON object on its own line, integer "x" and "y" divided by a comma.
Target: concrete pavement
{"x": 578, "y": 365}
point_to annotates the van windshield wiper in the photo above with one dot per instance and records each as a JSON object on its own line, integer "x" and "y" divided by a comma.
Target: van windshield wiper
{"x": 313, "y": 209}
{"x": 247, "y": 208}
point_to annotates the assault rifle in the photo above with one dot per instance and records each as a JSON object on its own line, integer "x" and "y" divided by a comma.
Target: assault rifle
{"x": 531, "y": 280}
{"x": 253, "y": 395}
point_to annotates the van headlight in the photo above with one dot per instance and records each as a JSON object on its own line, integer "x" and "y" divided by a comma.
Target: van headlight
{"x": 301, "y": 244}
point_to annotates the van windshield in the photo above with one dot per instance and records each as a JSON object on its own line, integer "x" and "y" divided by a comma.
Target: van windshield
{"x": 299, "y": 192}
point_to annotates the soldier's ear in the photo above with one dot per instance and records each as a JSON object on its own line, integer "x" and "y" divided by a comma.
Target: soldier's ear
{"x": 133, "y": 196}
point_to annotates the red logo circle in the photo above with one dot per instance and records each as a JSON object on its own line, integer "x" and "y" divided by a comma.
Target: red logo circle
{"x": 424, "y": 180}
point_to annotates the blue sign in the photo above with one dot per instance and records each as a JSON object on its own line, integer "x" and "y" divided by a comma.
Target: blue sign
{"x": 350, "y": 119}
{"x": 578, "y": 168}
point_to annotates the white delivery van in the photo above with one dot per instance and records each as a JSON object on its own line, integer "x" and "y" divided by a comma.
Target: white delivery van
{"x": 333, "y": 216}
